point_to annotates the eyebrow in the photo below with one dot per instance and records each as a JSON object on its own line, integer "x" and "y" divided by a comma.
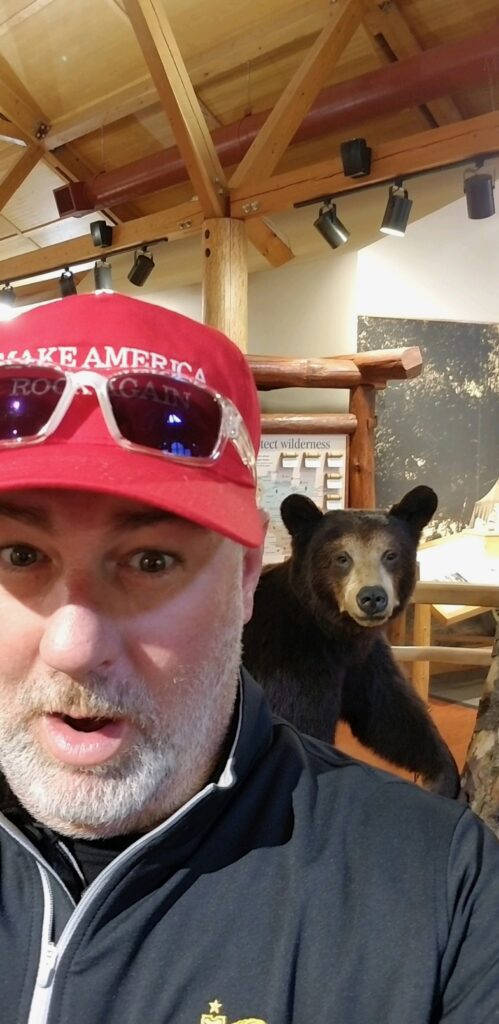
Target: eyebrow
{"x": 148, "y": 517}
{"x": 31, "y": 514}
{"x": 35, "y": 515}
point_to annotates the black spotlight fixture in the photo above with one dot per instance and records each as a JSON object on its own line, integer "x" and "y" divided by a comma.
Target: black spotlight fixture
{"x": 7, "y": 302}
{"x": 356, "y": 158}
{"x": 8, "y": 296}
{"x": 330, "y": 226}
{"x": 143, "y": 265}
{"x": 397, "y": 211}
{"x": 67, "y": 284}
{"x": 102, "y": 277}
{"x": 479, "y": 192}
{"x": 102, "y": 233}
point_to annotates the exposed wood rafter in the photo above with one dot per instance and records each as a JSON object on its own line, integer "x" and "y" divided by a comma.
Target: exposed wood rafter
{"x": 257, "y": 45}
{"x": 184, "y": 112}
{"x": 19, "y": 173}
{"x": 262, "y": 236}
{"x": 290, "y": 109}
{"x": 176, "y": 92}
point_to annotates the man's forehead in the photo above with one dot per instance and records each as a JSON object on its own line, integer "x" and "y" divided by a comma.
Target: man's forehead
{"x": 45, "y": 507}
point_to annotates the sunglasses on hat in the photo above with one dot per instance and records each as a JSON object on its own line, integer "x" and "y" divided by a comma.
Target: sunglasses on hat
{"x": 154, "y": 413}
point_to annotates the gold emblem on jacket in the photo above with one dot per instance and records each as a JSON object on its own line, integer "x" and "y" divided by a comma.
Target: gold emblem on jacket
{"x": 215, "y": 1017}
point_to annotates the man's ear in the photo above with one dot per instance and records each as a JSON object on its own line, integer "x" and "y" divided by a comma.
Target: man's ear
{"x": 252, "y": 567}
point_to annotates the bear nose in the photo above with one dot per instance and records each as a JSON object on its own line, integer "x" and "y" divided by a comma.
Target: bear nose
{"x": 372, "y": 600}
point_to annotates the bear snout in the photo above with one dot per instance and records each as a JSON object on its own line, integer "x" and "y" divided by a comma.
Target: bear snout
{"x": 372, "y": 601}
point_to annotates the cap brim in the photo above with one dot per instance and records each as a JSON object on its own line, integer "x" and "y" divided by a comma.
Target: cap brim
{"x": 201, "y": 495}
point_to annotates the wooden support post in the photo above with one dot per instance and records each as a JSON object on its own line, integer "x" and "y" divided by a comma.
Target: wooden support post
{"x": 361, "y": 491}
{"x": 422, "y": 638}
{"x": 397, "y": 629}
{"x": 225, "y": 278}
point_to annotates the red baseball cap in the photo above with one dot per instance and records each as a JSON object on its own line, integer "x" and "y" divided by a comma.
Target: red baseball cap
{"x": 113, "y": 333}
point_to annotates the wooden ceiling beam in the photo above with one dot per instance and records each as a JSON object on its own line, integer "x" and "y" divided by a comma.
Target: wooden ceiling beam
{"x": 18, "y": 173}
{"x": 275, "y": 135}
{"x": 264, "y": 238}
{"x": 17, "y": 105}
{"x": 179, "y": 101}
{"x": 388, "y": 21}
{"x": 399, "y": 158}
{"x": 177, "y": 222}
{"x": 255, "y": 45}
{"x": 11, "y": 133}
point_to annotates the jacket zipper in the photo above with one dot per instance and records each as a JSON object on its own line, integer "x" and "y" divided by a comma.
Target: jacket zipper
{"x": 50, "y": 954}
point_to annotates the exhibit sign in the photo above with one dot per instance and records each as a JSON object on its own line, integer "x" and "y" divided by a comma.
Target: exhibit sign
{"x": 310, "y": 464}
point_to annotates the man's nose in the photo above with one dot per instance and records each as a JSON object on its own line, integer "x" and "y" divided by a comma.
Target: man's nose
{"x": 79, "y": 639}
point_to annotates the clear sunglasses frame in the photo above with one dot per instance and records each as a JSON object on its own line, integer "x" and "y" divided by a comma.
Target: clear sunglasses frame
{"x": 232, "y": 425}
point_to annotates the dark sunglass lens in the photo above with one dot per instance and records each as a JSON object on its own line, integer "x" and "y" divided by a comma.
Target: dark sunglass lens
{"x": 173, "y": 416}
{"x": 28, "y": 397}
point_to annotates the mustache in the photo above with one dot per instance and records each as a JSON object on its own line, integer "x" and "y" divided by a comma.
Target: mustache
{"x": 98, "y": 696}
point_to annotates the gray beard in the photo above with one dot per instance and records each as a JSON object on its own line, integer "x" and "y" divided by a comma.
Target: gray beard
{"x": 171, "y": 761}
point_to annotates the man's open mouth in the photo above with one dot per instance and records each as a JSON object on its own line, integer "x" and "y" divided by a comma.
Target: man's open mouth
{"x": 83, "y": 740}
{"x": 84, "y": 724}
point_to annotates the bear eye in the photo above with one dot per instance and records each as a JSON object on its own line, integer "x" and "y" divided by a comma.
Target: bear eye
{"x": 342, "y": 559}
{"x": 390, "y": 557}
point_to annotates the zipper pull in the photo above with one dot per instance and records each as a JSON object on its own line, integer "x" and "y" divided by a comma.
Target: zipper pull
{"x": 47, "y": 966}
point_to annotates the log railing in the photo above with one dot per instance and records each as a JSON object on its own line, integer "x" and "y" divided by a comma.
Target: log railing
{"x": 422, "y": 653}
{"x": 362, "y": 373}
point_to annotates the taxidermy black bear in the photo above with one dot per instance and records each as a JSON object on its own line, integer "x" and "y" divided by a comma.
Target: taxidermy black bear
{"x": 316, "y": 640}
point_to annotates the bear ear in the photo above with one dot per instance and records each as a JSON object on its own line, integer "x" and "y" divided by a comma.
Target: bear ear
{"x": 298, "y": 513}
{"x": 416, "y": 508}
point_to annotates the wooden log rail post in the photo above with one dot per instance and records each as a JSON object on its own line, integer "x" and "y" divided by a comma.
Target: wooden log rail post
{"x": 361, "y": 490}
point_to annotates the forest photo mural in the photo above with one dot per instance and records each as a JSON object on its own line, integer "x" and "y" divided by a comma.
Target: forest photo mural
{"x": 442, "y": 428}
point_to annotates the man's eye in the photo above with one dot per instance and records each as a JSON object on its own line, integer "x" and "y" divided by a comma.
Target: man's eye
{"x": 19, "y": 556}
{"x": 152, "y": 561}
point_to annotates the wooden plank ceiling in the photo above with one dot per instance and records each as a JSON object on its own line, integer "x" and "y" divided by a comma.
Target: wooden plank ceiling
{"x": 90, "y": 86}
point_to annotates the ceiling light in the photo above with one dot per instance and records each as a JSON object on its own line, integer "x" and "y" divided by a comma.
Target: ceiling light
{"x": 8, "y": 295}
{"x": 479, "y": 192}
{"x": 397, "y": 211}
{"x": 356, "y": 158}
{"x": 102, "y": 233}
{"x": 143, "y": 265}
{"x": 67, "y": 284}
{"x": 102, "y": 277}
{"x": 7, "y": 302}
{"x": 330, "y": 227}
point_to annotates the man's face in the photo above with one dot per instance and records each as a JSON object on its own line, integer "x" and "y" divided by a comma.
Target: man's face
{"x": 119, "y": 654}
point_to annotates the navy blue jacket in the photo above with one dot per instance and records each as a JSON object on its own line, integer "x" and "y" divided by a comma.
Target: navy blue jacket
{"x": 302, "y": 888}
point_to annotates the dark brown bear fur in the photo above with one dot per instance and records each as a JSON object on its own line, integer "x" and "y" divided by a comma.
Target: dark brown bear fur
{"x": 316, "y": 640}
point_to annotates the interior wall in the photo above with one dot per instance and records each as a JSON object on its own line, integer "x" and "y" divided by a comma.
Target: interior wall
{"x": 305, "y": 309}
{"x": 445, "y": 268}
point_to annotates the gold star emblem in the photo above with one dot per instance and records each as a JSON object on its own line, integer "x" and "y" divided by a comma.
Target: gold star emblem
{"x": 215, "y": 1006}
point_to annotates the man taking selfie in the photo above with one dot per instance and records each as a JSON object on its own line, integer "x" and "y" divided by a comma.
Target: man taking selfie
{"x": 169, "y": 852}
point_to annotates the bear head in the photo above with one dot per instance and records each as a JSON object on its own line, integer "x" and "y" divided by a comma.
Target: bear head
{"x": 356, "y": 564}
